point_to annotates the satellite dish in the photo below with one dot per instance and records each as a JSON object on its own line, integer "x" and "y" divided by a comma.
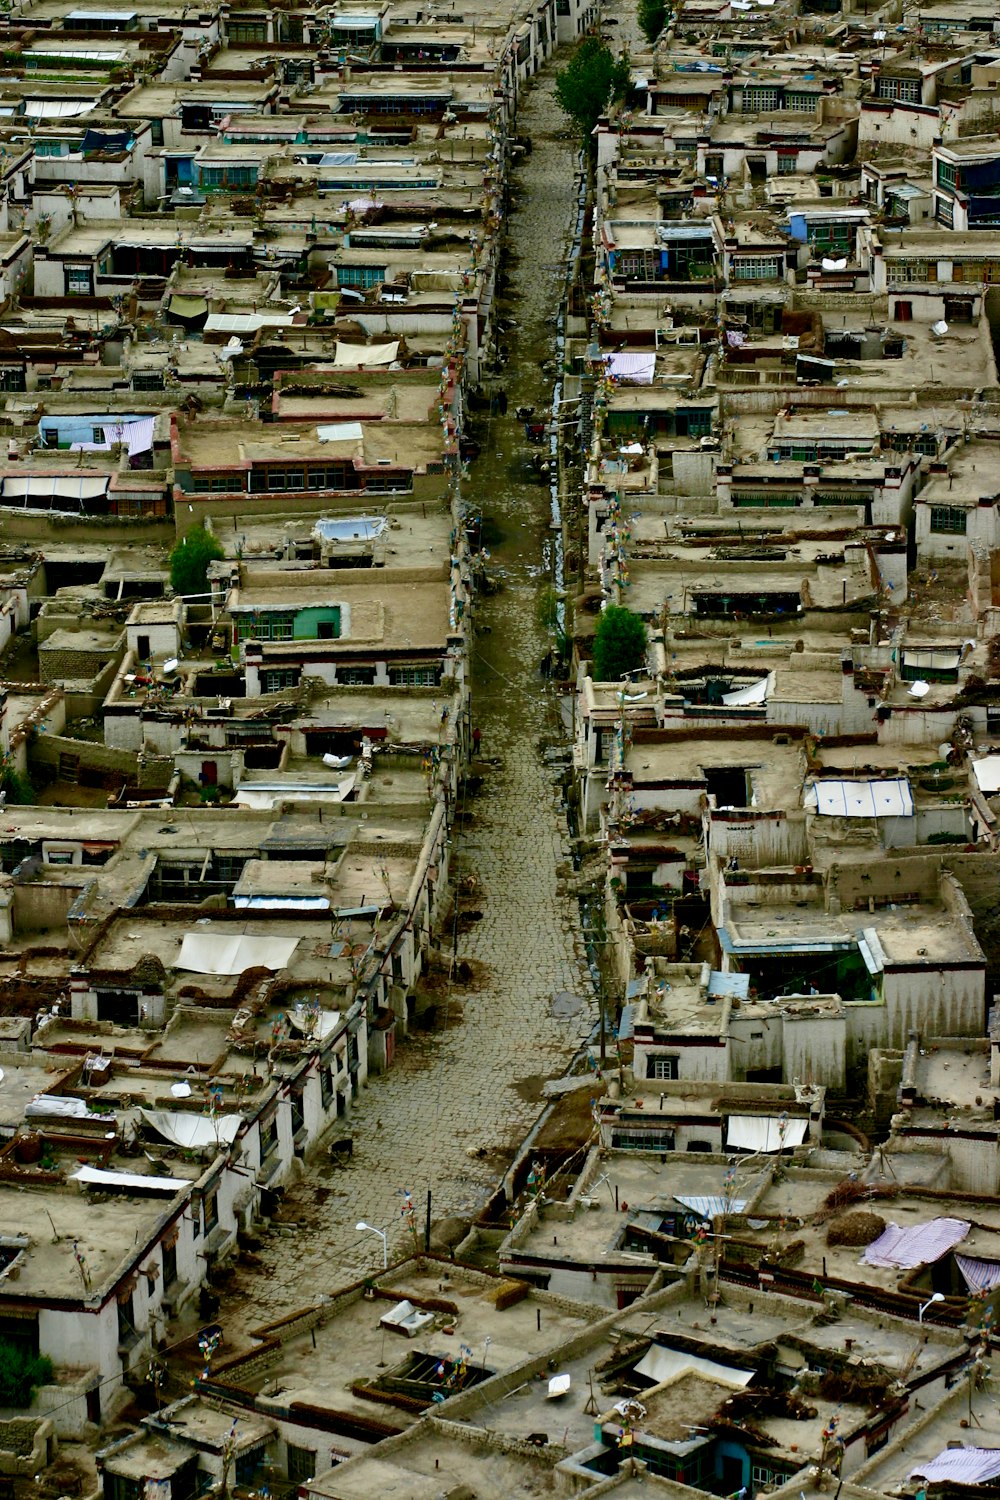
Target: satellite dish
{"x": 919, "y": 689}
{"x": 181, "y": 1090}
{"x": 940, "y": 328}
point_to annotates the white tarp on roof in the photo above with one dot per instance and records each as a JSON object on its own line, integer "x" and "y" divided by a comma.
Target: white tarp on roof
{"x": 864, "y": 799}
{"x": 340, "y": 432}
{"x": 214, "y": 951}
{"x": 289, "y": 902}
{"x": 357, "y": 355}
{"x": 57, "y": 1107}
{"x": 756, "y": 693}
{"x": 634, "y": 369}
{"x": 987, "y": 774}
{"x": 265, "y": 796}
{"x": 961, "y": 1465}
{"x": 707, "y": 1205}
{"x": 659, "y": 1363}
{"x": 97, "y": 1177}
{"x": 764, "y": 1133}
{"x": 246, "y": 322}
{"x": 192, "y": 1131}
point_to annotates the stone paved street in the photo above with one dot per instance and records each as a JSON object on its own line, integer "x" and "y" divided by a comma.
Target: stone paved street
{"x": 473, "y": 1082}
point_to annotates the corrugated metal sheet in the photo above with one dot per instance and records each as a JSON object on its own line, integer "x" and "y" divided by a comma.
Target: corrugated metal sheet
{"x": 964, "y": 1465}
{"x": 903, "y": 1248}
{"x": 980, "y": 1275}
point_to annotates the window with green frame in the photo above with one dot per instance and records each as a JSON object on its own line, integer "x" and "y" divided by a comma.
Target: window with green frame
{"x": 950, "y": 520}
{"x": 947, "y": 174}
{"x": 360, "y": 276}
{"x": 266, "y": 625}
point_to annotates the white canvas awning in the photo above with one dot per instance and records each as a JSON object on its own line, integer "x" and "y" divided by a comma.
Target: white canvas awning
{"x": 191, "y": 1131}
{"x": 987, "y": 774}
{"x": 57, "y": 109}
{"x": 633, "y": 369}
{"x": 132, "y": 1181}
{"x": 939, "y": 661}
{"x": 864, "y": 799}
{"x": 660, "y": 1363}
{"x": 756, "y": 692}
{"x": 214, "y": 951}
{"x": 360, "y": 355}
{"x": 764, "y": 1133}
{"x": 54, "y": 486}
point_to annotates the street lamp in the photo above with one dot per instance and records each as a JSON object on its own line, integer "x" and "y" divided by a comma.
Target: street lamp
{"x": 936, "y": 1297}
{"x": 382, "y": 1236}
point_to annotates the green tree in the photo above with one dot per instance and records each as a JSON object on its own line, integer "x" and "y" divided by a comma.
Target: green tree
{"x": 619, "y": 644}
{"x": 589, "y": 82}
{"x": 652, "y": 17}
{"x": 21, "y": 1373}
{"x": 190, "y": 559}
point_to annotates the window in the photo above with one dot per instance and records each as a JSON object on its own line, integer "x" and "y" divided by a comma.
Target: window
{"x": 147, "y": 380}
{"x": 787, "y": 165}
{"x": 169, "y": 1265}
{"x": 326, "y": 1076}
{"x": 803, "y": 103}
{"x": 79, "y": 281}
{"x": 756, "y": 267}
{"x": 12, "y": 378}
{"x": 414, "y": 676}
{"x": 641, "y": 1139}
{"x": 662, "y": 1067}
{"x": 360, "y": 276}
{"x": 903, "y": 271}
{"x": 211, "y": 1209}
{"x": 273, "y": 625}
{"x": 944, "y": 211}
{"x": 268, "y": 1136}
{"x": 247, "y": 31}
{"x": 127, "y": 1333}
{"x": 902, "y": 90}
{"x": 280, "y": 680}
{"x": 638, "y": 265}
{"x": 156, "y": 132}
{"x": 216, "y": 484}
{"x": 301, "y": 1464}
{"x": 356, "y": 676}
{"x": 760, "y": 99}
{"x": 950, "y": 519}
{"x": 947, "y": 175}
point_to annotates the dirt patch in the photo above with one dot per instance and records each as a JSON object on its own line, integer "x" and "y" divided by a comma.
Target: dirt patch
{"x": 530, "y": 1089}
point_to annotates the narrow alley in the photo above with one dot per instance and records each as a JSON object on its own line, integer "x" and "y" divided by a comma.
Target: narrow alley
{"x": 458, "y": 1100}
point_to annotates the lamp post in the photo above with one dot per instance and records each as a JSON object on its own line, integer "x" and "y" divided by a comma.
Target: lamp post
{"x": 936, "y": 1297}
{"x": 382, "y": 1236}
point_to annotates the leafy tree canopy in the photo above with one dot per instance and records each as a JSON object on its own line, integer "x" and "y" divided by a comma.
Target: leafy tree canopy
{"x": 652, "y": 17}
{"x": 190, "y": 559}
{"x": 21, "y": 1373}
{"x": 619, "y": 644}
{"x": 589, "y": 82}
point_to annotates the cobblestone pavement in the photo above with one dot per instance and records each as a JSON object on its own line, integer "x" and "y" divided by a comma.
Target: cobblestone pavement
{"x": 473, "y": 1082}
